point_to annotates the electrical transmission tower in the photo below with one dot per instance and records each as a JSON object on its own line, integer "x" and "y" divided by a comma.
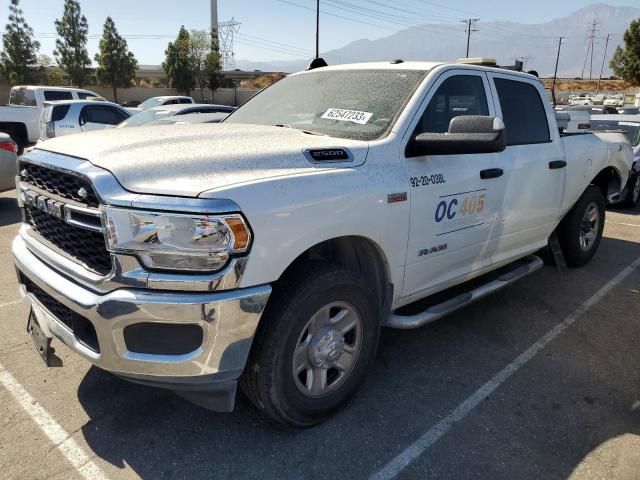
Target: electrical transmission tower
{"x": 591, "y": 38}
{"x": 226, "y": 37}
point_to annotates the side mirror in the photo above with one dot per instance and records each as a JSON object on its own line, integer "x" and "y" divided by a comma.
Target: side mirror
{"x": 467, "y": 134}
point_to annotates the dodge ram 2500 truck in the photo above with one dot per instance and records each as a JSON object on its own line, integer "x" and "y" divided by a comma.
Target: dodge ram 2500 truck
{"x": 267, "y": 251}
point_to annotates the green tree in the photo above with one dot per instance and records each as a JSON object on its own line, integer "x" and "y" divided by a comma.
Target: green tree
{"x": 200, "y": 48}
{"x": 48, "y": 73}
{"x": 18, "y": 59}
{"x": 625, "y": 62}
{"x": 116, "y": 64}
{"x": 213, "y": 65}
{"x": 178, "y": 64}
{"x": 71, "y": 46}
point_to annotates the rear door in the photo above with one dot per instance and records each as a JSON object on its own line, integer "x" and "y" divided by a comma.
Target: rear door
{"x": 455, "y": 213}
{"x": 535, "y": 167}
{"x": 99, "y": 117}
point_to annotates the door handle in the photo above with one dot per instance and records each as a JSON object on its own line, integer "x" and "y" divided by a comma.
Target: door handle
{"x": 491, "y": 173}
{"x": 557, "y": 164}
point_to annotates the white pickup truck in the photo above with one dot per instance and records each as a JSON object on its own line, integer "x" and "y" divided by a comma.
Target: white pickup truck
{"x": 268, "y": 250}
{"x": 21, "y": 117}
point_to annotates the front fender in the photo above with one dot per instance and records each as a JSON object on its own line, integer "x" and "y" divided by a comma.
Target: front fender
{"x": 290, "y": 215}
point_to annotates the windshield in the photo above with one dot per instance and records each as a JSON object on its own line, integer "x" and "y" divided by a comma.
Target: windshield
{"x": 630, "y": 129}
{"x": 145, "y": 117}
{"x": 353, "y": 104}
{"x": 150, "y": 103}
{"x": 23, "y": 97}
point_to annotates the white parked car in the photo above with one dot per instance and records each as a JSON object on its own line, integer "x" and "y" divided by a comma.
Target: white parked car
{"x": 267, "y": 251}
{"x": 166, "y": 111}
{"x": 21, "y": 117}
{"x": 77, "y": 116}
{"x": 8, "y": 158}
{"x": 163, "y": 100}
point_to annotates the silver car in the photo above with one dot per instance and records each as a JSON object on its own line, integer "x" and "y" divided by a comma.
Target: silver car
{"x": 166, "y": 111}
{"x": 190, "y": 119}
{"x": 77, "y": 116}
{"x": 8, "y": 159}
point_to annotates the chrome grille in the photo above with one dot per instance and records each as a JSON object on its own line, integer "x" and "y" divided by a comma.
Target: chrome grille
{"x": 85, "y": 246}
{"x": 62, "y": 184}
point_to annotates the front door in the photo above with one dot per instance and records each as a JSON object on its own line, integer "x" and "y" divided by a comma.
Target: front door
{"x": 456, "y": 200}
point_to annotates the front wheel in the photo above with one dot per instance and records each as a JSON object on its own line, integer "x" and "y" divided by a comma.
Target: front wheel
{"x": 314, "y": 346}
{"x": 581, "y": 230}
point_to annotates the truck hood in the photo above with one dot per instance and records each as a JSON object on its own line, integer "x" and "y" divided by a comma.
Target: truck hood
{"x": 186, "y": 160}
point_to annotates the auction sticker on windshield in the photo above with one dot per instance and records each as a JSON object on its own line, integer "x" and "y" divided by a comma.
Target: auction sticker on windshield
{"x": 361, "y": 118}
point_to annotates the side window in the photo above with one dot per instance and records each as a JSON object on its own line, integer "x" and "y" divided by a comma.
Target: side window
{"x": 170, "y": 102}
{"x": 185, "y": 100}
{"x": 458, "y": 95}
{"x": 59, "y": 112}
{"x": 102, "y": 114}
{"x": 523, "y": 112}
{"x": 52, "y": 95}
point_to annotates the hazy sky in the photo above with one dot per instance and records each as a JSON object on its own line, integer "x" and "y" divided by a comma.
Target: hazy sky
{"x": 280, "y": 29}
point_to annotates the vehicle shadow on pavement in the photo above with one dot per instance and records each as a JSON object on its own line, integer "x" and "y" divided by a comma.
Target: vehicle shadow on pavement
{"x": 572, "y": 398}
{"x": 9, "y": 211}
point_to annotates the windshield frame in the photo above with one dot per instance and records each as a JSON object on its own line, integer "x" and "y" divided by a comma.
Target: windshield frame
{"x": 392, "y": 124}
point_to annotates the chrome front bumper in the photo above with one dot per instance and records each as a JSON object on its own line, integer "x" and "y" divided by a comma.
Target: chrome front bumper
{"x": 228, "y": 320}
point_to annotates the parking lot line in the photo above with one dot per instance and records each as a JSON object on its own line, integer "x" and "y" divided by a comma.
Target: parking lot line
{"x": 417, "y": 448}
{"x": 56, "y": 434}
{"x": 623, "y": 224}
{"x": 8, "y": 304}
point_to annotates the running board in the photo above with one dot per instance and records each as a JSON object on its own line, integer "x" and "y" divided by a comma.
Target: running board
{"x": 441, "y": 310}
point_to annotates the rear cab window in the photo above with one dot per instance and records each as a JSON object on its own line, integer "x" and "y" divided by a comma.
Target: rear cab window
{"x": 23, "y": 97}
{"x": 523, "y": 112}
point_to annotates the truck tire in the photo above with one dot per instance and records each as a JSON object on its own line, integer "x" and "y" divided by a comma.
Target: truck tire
{"x": 633, "y": 192}
{"x": 581, "y": 229}
{"x": 314, "y": 345}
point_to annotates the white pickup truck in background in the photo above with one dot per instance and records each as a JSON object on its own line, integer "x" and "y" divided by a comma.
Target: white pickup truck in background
{"x": 268, "y": 250}
{"x": 21, "y": 117}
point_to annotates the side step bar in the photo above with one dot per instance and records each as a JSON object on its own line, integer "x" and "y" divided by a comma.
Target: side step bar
{"x": 441, "y": 310}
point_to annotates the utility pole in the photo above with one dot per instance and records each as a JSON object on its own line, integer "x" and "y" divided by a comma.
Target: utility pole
{"x": 555, "y": 73}
{"x": 604, "y": 59}
{"x": 317, "y": 28}
{"x": 470, "y": 23}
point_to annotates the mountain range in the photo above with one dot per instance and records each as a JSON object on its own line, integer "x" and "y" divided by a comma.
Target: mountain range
{"x": 505, "y": 41}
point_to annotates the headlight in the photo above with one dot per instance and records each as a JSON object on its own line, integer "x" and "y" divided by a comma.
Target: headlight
{"x": 171, "y": 241}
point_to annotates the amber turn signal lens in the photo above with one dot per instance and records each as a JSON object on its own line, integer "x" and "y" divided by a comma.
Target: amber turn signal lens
{"x": 240, "y": 233}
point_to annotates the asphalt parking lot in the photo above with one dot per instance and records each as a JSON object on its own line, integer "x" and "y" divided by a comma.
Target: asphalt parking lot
{"x": 572, "y": 410}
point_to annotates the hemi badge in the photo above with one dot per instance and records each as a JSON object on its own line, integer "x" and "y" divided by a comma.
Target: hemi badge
{"x": 397, "y": 197}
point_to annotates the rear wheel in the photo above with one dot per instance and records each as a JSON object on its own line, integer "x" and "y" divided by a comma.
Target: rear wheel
{"x": 314, "y": 346}
{"x": 581, "y": 230}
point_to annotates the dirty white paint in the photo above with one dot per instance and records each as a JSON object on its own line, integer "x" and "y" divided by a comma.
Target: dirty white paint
{"x": 421, "y": 445}
{"x": 56, "y": 434}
